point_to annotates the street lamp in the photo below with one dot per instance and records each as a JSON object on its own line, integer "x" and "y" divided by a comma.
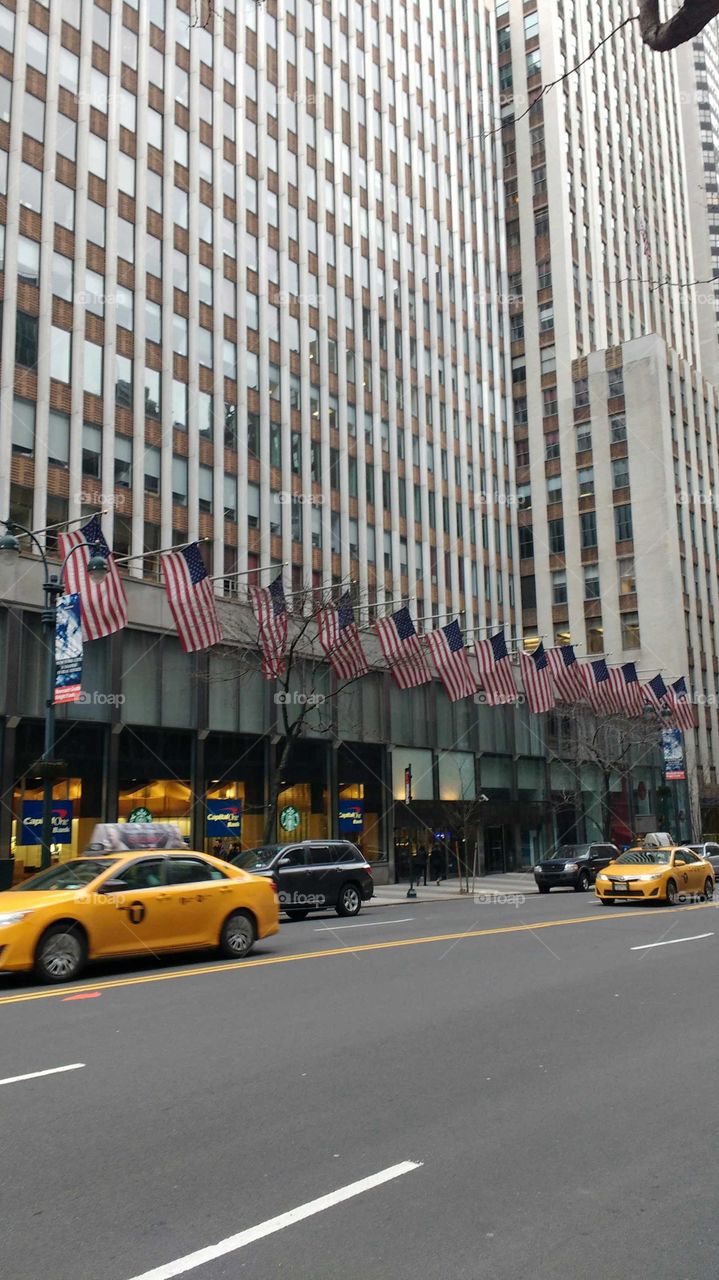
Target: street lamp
{"x": 48, "y": 767}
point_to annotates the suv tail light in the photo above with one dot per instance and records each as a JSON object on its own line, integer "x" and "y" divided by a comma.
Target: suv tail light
{"x": 369, "y": 867}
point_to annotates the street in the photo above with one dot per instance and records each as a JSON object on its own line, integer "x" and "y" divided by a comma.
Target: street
{"x": 532, "y": 1099}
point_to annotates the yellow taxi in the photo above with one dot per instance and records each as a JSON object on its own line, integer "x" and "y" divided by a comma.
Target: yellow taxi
{"x": 126, "y": 902}
{"x": 669, "y": 874}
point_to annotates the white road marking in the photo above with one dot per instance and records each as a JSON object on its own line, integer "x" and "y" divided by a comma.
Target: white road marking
{"x": 671, "y": 941}
{"x": 268, "y": 1228}
{"x": 34, "y": 1075}
{"x": 366, "y": 924}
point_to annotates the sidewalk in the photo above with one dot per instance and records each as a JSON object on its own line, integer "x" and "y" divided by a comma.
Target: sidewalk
{"x": 514, "y": 882}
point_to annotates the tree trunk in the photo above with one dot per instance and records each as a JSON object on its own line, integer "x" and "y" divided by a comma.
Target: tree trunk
{"x": 270, "y": 832}
{"x": 607, "y": 806}
{"x": 679, "y": 29}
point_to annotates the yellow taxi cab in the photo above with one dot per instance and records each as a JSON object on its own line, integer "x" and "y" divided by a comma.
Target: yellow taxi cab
{"x": 670, "y": 874}
{"x": 121, "y": 900}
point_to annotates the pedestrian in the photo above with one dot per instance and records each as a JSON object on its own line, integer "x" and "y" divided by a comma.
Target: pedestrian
{"x": 421, "y": 864}
{"x": 217, "y": 849}
{"x": 436, "y": 862}
{"x": 234, "y": 850}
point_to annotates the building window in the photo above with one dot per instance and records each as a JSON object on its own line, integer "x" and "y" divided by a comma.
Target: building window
{"x": 556, "y": 537}
{"x": 627, "y": 577}
{"x": 623, "y": 523}
{"x": 595, "y": 636}
{"x": 630, "y": 631}
{"x": 526, "y": 542}
{"x": 584, "y": 437}
{"x": 591, "y": 582}
{"x": 205, "y": 489}
{"x": 586, "y": 482}
{"x": 559, "y": 587}
{"x": 620, "y": 473}
{"x": 588, "y": 527}
{"x": 26, "y": 340}
{"x": 618, "y": 428}
{"x": 548, "y": 359}
{"x": 123, "y": 461}
{"x": 615, "y": 380}
{"x": 551, "y": 445}
{"x": 58, "y": 438}
{"x": 152, "y": 470}
{"x": 554, "y": 490}
{"x": 91, "y": 450}
{"x": 549, "y": 398}
{"x": 23, "y": 428}
{"x": 179, "y": 481}
{"x": 581, "y": 393}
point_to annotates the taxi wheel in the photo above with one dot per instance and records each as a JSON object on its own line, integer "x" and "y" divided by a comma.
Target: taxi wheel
{"x": 61, "y": 954}
{"x": 238, "y": 935}
{"x": 607, "y": 902}
{"x": 671, "y": 893}
{"x": 297, "y": 913}
{"x": 708, "y": 893}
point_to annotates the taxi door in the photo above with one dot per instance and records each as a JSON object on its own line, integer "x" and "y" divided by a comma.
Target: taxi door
{"x": 132, "y": 918}
{"x": 697, "y": 872}
{"x": 685, "y": 872}
{"x": 200, "y": 897}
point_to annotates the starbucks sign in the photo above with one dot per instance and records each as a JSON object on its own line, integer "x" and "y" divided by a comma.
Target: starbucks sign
{"x": 140, "y": 815}
{"x": 289, "y": 818}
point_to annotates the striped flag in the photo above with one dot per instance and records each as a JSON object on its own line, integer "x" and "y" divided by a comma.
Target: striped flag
{"x": 537, "y": 679}
{"x": 682, "y": 709}
{"x": 495, "y": 670}
{"x": 600, "y": 687}
{"x": 191, "y": 598}
{"x": 270, "y": 609}
{"x": 339, "y": 637}
{"x": 657, "y": 695}
{"x": 450, "y": 657}
{"x": 103, "y": 604}
{"x": 634, "y": 694}
{"x": 567, "y": 674}
{"x": 402, "y": 650}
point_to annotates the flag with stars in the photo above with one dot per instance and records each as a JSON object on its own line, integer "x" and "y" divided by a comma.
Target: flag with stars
{"x": 270, "y": 609}
{"x": 191, "y": 598}
{"x": 567, "y": 674}
{"x": 339, "y": 637}
{"x": 495, "y": 670}
{"x": 634, "y": 694}
{"x": 600, "y": 688}
{"x": 681, "y": 706}
{"x": 449, "y": 654}
{"x": 657, "y": 695}
{"x": 402, "y": 650}
{"x": 103, "y": 604}
{"x": 537, "y": 678}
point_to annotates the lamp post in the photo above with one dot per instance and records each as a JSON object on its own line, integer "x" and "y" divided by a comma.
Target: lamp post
{"x": 52, "y": 589}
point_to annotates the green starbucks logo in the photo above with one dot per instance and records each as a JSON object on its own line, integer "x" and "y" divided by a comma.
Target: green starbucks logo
{"x": 140, "y": 815}
{"x": 290, "y": 818}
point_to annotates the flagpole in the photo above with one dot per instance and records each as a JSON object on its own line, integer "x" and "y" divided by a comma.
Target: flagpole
{"x": 240, "y": 573}
{"x": 66, "y": 523}
{"x": 161, "y": 551}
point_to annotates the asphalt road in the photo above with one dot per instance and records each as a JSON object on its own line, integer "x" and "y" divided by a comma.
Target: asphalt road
{"x": 517, "y": 1092}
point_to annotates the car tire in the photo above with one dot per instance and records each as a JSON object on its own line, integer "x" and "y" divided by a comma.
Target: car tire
{"x": 584, "y": 883}
{"x": 543, "y": 888}
{"x": 607, "y": 902}
{"x": 238, "y": 935}
{"x": 671, "y": 893}
{"x": 61, "y": 953}
{"x": 349, "y": 901}
{"x": 297, "y": 913}
{"x": 708, "y": 893}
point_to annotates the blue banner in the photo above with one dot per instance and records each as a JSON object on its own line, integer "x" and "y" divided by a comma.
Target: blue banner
{"x": 31, "y": 828}
{"x": 351, "y": 817}
{"x": 224, "y": 818}
{"x": 68, "y": 649}
{"x": 673, "y": 744}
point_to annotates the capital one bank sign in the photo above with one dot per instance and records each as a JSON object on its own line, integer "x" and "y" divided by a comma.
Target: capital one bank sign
{"x": 31, "y": 828}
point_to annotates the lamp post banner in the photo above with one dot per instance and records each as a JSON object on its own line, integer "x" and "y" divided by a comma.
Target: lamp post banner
{"x": 31, "y": 830}
{"x": 68, "y": 649}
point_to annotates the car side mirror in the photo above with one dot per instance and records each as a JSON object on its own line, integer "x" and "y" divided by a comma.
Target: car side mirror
{"x": 112, "y": 886}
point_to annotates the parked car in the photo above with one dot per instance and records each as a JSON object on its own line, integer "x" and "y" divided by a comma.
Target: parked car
{"x": 575, "y": 866}
{"x": 313, "y": 875}
{"x": 709, "y": 850}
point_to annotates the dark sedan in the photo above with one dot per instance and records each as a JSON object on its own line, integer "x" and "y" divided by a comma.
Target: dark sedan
{"x": 575, "y": 866}
{"x": 312, "y": 875}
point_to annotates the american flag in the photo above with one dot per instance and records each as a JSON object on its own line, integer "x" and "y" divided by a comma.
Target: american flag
{"x": 537, "y": 679}
{"x": 634, "y": 694}
{"x": 600, "y": 687}
{"x": 402, "y": 650}
{"x": 103, "y": 604}
{"x": 495, "y": 670}
{"x": 451, "y": 659}
{"x": 339, "y": 637}
{"x": 270, "y": 609}
{"x": 681, "y": 706}
{"x": 567, "y": 674}
{"x": 657, "y": 695}
{"x": 191, "y": 598}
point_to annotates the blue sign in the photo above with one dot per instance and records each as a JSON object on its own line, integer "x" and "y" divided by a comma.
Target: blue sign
{"x": 31, "y": 829}
{"x": 351, "y": 817}
{"x": 673, "y": 744}
{"x": 68, "y": 649}
{"x": 224, "y": 818}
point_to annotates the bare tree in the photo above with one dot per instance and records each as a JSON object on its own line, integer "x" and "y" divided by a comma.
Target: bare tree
{"x": 610, "y": 742}
{"x": 683, "y": 26}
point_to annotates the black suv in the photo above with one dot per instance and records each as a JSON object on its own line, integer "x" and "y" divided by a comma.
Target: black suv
{"x": 575, "y": 866}
{"x": 313, "y": 875}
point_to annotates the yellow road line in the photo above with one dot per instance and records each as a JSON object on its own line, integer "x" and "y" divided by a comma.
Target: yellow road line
{"x": 463, "y": 936}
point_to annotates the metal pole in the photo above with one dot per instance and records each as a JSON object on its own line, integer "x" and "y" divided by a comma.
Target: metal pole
{"x": 52, "y": 589}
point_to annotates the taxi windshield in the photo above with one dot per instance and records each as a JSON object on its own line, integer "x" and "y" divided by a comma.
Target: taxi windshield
{"x": 69, "y": 875}
{"x": 647, "y": 857}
